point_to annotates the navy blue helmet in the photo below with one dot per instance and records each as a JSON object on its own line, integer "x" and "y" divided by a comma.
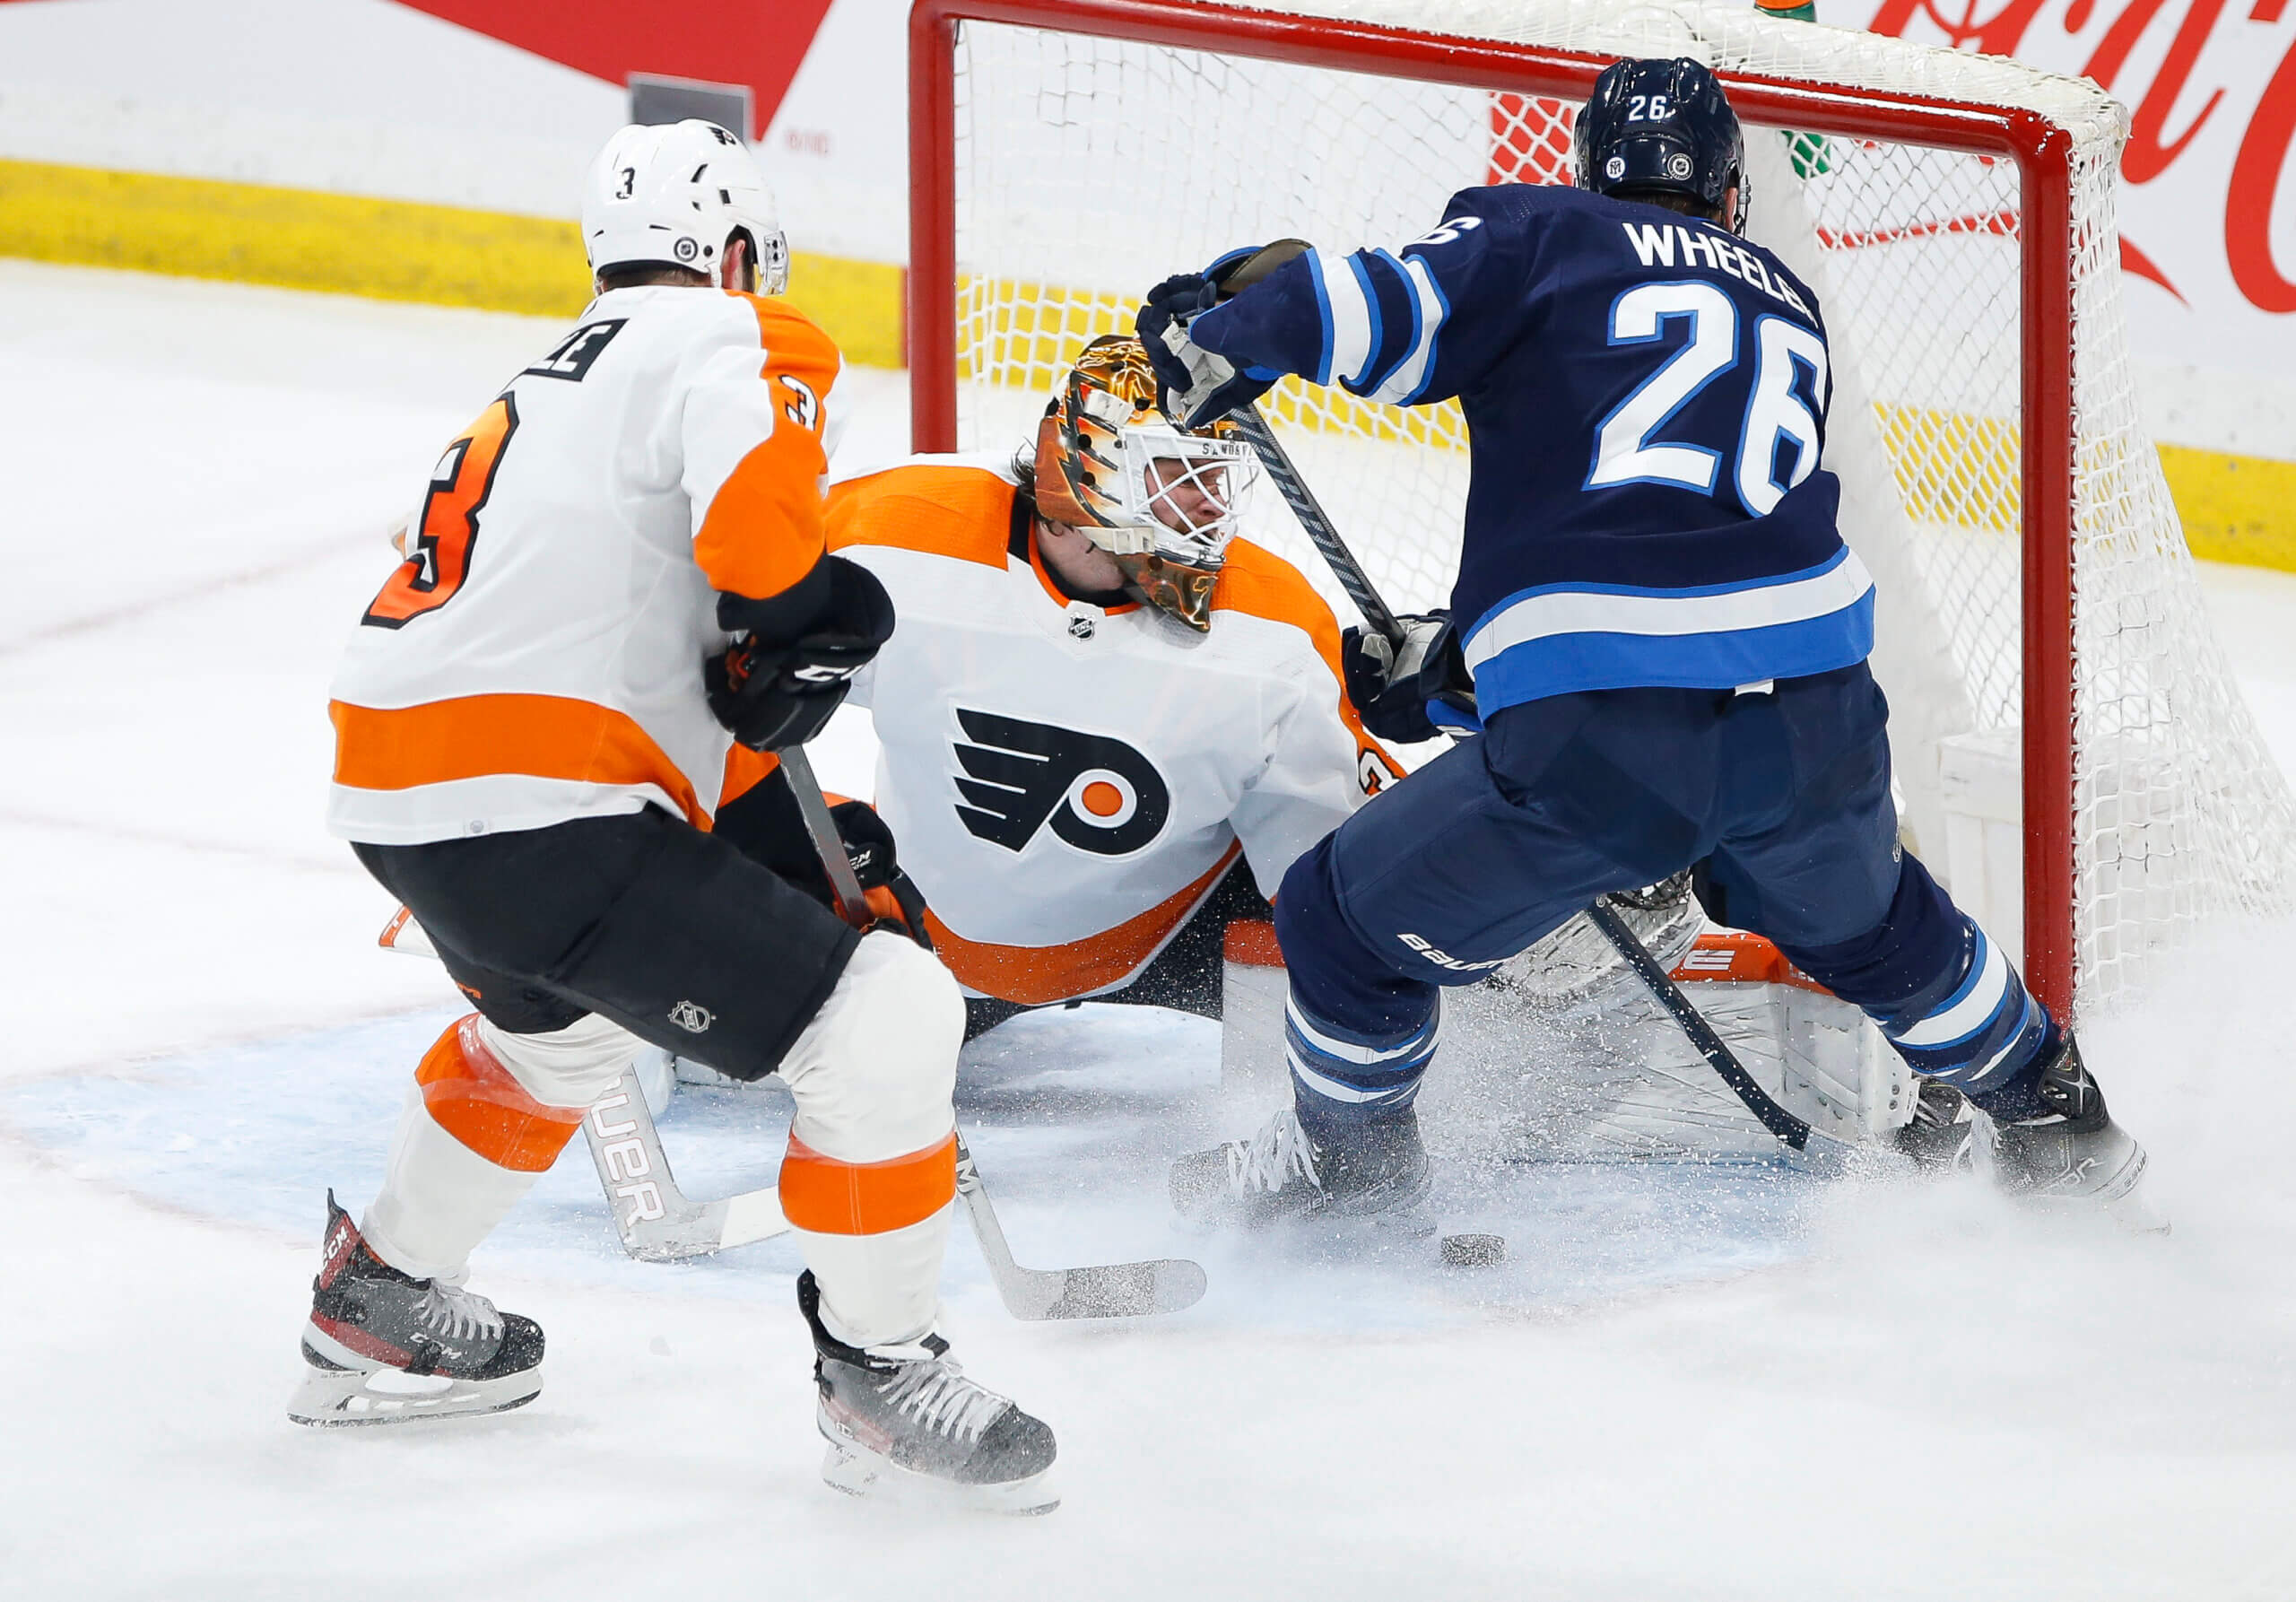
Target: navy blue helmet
{"x": 1663, "y": 127}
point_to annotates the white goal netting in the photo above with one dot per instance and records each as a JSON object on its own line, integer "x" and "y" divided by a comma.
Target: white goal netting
{"x": 1087, "y": 168}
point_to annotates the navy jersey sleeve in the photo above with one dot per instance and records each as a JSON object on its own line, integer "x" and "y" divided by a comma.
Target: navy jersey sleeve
{"x": 1416, "y": 325}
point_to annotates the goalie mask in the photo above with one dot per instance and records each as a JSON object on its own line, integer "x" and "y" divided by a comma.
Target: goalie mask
{"x": 1162, "y": 499}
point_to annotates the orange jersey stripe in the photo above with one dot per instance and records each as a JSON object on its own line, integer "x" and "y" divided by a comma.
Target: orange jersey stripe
{"x": 1035, "y": 975}
{"x": 762, "y": 532}
{"x": 832, "y": 1197}
{"x": 961, "y": 512}
{"x": 1250, "y": 943}
{"x": 476, "y": 737}
{"x": 746, "y": 769}
{"x": 471, "y": 1096}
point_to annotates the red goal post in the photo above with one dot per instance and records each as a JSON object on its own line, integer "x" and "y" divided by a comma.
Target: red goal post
{"x": 2039, "y": 148}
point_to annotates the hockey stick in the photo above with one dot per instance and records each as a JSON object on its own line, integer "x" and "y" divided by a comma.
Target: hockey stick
{"x": 1104, "y": 1291}
{"x": 656, "y": 1220}
{"x": 1823, "y": 1153}
{"x": 656, "y": 1223}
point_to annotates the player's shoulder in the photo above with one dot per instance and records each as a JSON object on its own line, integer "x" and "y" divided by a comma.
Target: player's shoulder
{"x": 787, "y": 334}
{"x": 679, "y": 314}
{"x": 959, "y": 506}
{"x": 1255, "y": 582}
{"x": 1521, "y": 206}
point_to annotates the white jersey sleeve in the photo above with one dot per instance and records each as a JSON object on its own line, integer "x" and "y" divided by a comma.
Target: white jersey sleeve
{"x": 1320, "y": 763}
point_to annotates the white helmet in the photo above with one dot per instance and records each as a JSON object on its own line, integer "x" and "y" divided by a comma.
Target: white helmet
{"x": 671, "y": 194}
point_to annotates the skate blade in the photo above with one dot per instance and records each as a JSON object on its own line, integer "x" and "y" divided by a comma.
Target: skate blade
{"x": 857, "y": 1472}
{"x": 333, "y": 1399}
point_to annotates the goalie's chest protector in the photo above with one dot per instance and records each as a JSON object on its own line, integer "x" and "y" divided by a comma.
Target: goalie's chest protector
{"x": 1055, "y": 771}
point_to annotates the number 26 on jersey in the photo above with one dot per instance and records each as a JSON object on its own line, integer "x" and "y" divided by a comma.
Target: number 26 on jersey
{"x": 1777, "y": 438}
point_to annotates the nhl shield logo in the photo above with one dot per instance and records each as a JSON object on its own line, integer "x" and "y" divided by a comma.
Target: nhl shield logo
{"x": 1081, "y": 627}
{"x": 692, "y": 1016}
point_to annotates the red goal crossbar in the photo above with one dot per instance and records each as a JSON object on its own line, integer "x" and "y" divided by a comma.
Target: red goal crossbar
{"x": 2041, "y": 150}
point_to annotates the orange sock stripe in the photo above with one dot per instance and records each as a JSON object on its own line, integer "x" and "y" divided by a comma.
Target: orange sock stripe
{"x": 830, "y": 1197}
{"x": 472, "y": 1097}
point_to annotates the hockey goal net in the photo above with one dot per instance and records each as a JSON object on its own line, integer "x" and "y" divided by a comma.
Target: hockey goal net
{"x": 2073, "y": 754}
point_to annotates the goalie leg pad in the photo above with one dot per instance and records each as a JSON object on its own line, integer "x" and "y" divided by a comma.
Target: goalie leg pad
{"x": 871, "y": 1173}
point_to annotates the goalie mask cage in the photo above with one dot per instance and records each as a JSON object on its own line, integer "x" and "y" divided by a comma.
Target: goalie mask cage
{"x": 2071, "y": 752}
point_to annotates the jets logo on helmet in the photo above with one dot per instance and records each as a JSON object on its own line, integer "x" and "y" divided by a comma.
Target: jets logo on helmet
{"x": 1162, "y": 499}
{"x": 673, "y": 194}
{"x": 1662, "y": 127}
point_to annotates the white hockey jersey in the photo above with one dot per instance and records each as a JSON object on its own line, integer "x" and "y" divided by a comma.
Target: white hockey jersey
{"x": 538, "y": 656}
{"x": 1065, "y": 782}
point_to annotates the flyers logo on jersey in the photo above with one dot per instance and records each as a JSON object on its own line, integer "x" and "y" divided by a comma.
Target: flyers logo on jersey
{"x": 1099, "y": 794}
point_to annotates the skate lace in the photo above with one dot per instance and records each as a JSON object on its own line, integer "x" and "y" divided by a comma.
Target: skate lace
{"x": 456, "y": 1314}
{"x": 939, "y": 1398}
{"x": 1268, "y": 1160}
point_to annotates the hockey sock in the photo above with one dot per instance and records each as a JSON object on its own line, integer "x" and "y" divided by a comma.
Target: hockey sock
{"x": 1977, "y": 1029}
{"x": 1945, "y": 996}
{"x": 872, "y": 1168}
{"x": 475, "y": 1137}
{"x": 1344, "y": 1079}
{"x": 873, "y": 1234}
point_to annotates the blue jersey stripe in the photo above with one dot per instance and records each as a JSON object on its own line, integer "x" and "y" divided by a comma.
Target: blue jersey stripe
{"x": 1565, "y": 663}
{"x": 1322, "y": 375}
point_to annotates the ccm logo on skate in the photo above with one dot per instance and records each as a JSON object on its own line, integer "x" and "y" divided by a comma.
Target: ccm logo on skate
{"x": 1443, "y": 959}
{"x": 626, "y": 1164}
{"x": 1098, "y": 793}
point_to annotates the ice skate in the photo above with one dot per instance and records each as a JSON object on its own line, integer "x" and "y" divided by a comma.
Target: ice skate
{"x": 905, "y": 1418}
{"x": 382, "y": 1348}
{"x": 1281, "y": 1172}
{"x": 1939, "y": 1134}
{"x": 2066, "y": 1152}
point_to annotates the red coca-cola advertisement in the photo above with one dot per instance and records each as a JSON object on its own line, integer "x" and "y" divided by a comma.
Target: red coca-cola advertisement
{"x": 2208, "y": 225}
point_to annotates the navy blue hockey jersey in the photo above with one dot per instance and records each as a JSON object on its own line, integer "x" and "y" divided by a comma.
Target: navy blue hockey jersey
{"x": 1646, "y": 397}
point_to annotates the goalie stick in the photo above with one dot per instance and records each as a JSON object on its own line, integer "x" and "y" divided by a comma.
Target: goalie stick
{"x": 1103, "y": 1291}
{"x": 1821, "y": 1153}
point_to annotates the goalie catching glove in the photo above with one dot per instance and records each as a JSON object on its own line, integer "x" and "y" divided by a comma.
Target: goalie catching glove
{"x": 775, "y": 694}
{"x": 1410, "y": 690}
{"x": 1201, "y": 385}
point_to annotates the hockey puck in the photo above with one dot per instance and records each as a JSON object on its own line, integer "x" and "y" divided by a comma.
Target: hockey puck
{"x": 1474, "y": 1251}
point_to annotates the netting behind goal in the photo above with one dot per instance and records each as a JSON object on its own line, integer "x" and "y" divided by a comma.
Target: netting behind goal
{"x": 1071, "y": 154}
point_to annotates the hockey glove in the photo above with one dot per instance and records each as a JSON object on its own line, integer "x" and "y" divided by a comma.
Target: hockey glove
{"x": 868, "y": 845}
{"x": 1196, "y": 386}
{"x": 773, "y": 695}
{"x": 1199, "y": 386}
{"x": 1411, "y": 690}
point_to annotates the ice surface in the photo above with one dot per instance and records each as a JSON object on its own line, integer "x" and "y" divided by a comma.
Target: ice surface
{"x": 1714, "y": 1383}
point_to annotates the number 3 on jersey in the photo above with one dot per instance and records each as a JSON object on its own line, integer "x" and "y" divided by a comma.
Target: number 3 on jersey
{"x": 439, "y": 559}
{"x": 1777, "y": 413}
